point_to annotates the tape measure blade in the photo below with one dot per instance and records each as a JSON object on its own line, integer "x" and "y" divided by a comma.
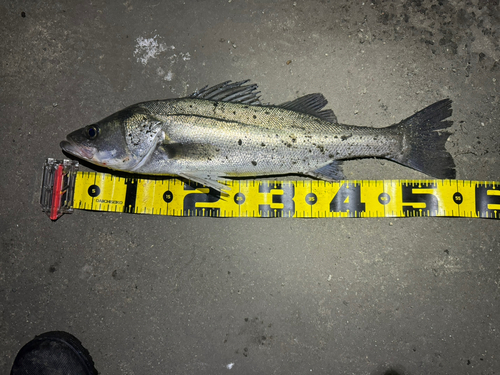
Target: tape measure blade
{"x": 300, "y": 199}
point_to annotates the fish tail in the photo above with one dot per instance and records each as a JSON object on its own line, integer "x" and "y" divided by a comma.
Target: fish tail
{"x": 425, "y": 134}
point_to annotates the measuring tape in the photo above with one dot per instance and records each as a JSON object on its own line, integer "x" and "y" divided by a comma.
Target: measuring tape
{"x": 64, "y": 189}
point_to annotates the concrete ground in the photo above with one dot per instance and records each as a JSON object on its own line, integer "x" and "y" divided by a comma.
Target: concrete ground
{"x": 163, "y": 295}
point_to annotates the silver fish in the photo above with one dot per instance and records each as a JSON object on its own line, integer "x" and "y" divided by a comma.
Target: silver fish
{"x": 224, "y": 131}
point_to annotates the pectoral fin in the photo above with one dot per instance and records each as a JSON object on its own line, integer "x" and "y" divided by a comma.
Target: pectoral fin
{"x": 207, "y": 180}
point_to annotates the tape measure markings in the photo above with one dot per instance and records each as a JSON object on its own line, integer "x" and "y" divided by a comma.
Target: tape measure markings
{"x": 305, "y": 198}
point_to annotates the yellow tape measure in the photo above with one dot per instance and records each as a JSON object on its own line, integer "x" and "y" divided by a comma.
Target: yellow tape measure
{"x": 263, "y": 198}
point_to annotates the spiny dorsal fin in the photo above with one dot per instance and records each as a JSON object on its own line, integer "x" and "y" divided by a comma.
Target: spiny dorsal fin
{"x": 312, "y": 105}
{"x": 236, "y": 92}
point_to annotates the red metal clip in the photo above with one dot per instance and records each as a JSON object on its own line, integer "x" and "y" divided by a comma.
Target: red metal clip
{"x": 58, "y": 185}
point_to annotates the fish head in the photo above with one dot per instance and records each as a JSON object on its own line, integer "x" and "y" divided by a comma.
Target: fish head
{"x": 122, "y": 141}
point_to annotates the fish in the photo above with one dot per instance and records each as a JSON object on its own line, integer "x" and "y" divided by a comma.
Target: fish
{"x": 225, "y": 131}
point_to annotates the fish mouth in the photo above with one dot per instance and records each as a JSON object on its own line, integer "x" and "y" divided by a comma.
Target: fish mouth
{"x": 78, "y": 150}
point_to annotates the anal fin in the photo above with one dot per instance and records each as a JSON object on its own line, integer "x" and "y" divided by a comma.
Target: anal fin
{"x": 330, "y": 172}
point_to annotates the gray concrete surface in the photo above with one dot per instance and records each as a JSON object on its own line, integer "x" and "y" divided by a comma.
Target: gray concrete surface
{"x": 161, "y": 295}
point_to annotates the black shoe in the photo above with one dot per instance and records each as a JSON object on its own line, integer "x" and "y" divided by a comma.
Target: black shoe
{"x": 53, "y": 353}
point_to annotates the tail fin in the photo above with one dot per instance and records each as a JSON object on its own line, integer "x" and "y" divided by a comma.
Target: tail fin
{"x": 424, "y": 140}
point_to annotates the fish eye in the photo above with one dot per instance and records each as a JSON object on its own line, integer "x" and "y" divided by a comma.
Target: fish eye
{"x": 92, "y": 131}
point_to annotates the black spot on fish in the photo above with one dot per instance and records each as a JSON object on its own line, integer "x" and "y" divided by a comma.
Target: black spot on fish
{"x": 344, "y": 137}
{"x": 254, "y": 117}
{"x": 234, "y": 112}
{"x": 240, "y": 142}
{"x": 263, "y": 144}
{"x": 267, "y": 113}
{"x": 254, "y": 163}
{"x": 335, "y": 136}
{"x": 217, "y": 149}
{"x": 321, "y": 148}
{"x": 287, "y": 144}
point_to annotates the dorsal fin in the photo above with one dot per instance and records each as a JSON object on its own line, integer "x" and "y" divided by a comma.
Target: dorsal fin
{"x": 236, "y": 92}
{"x": 312, "y": 105}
